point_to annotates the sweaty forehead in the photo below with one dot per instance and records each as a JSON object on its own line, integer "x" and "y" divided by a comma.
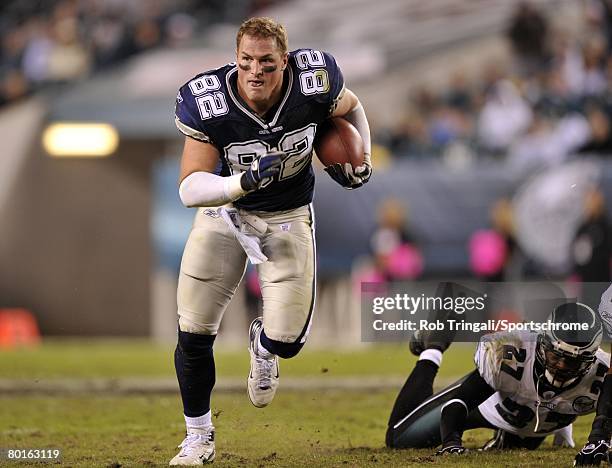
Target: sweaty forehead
{"x": 258, "y": 46}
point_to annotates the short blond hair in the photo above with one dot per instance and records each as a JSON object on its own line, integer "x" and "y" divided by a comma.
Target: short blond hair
{"x": 263, "y": 27}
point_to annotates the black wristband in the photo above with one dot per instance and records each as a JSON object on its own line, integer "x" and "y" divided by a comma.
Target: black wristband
{"x": 247, "y": 182}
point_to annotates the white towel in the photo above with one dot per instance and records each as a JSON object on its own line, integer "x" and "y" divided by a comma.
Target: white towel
{"x": 247, "y": 229}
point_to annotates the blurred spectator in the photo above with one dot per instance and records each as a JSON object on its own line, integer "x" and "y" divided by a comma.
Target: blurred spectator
{"x": 601, "y": 134}
{"x": 36, "y": 54}
{"x": 599, "y": 16}
{"x": 424, "y": 100}
{"x": 491, "y": 250}
{"x": 528, "y": 34}
{"x": 567, "y": 65}
{"x": 549, "y": 92}
{"x": 492, "y": 73}
{"x": 548, "y": 142}
{"x": 459, "y": 95}
{"x": 109, "y": 39}
{"x": 409, "y": 137}
{"x": 594, "y": 59}
{"x": 592, "y": 245}
{"x": 505, "y": 116}
{"x": 146, "y": 35}
{"x": 13, "y": 86}
{"x": 68, "y": 59}
{"x": 395, "y": 253}
{"x": 180, "y": 29}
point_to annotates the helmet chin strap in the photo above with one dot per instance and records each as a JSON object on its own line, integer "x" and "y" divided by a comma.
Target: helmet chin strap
{"x": 557, "y": 383}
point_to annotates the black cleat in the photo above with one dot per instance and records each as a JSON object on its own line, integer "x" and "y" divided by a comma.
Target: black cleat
{"x": 496, "y": 443}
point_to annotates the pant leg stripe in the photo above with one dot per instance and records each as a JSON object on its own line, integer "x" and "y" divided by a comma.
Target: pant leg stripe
{"x": 306, "y": 329}
{"x": 426, "y": 402}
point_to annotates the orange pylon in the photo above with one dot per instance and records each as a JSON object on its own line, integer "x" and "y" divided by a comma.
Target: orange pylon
{"x": 18, "y": 327}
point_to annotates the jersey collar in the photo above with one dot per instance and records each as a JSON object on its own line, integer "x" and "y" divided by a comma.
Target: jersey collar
{"x": 248, "y": 112}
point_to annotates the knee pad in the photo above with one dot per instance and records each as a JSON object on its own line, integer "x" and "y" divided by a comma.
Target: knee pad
{"x": 284, "y": 350}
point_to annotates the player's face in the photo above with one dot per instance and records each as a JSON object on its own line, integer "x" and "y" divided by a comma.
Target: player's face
{"x": 564, "y": 367}
{"x": 561, "y": 363}
{"x": 260, "y": 71}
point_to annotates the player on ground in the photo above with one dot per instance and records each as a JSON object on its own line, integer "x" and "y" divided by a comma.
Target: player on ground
{"x": 249, "y": 130}
{"x": 526, "y": 386}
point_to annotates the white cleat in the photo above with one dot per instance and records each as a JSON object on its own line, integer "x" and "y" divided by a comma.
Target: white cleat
{"x": 196, "y": 449}
{"x": 263, "y": 376}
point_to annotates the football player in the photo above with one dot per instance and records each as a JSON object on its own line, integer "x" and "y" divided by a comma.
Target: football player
{"x": 526, "y": 386}
{"x": 249, "y": 129}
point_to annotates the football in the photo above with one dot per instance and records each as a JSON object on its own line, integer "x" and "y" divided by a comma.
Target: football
{"x": 337, "y": 141}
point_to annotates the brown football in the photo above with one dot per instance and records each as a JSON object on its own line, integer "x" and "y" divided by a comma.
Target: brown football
{"x": 337, "y": 141}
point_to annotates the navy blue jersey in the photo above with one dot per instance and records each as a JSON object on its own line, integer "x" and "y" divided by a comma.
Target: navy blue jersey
{"x": 209, "y": 109}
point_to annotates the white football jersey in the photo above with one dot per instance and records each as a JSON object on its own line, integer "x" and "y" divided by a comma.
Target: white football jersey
{"x": 605, "y": 310}
{"x": 506, "y": 362}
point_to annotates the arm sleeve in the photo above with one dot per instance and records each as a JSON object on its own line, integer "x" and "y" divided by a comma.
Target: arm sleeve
{"x": 472, "y": 392}
{"x": 206, "y": 189}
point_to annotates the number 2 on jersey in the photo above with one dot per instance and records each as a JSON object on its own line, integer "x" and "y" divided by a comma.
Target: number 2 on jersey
{"x": 519, "y": 355}
{"x": 297, "y": 145}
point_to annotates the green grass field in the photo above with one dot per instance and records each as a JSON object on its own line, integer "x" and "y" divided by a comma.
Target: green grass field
{"x": 121, "y": 358}
{"x": 327, "y": 428}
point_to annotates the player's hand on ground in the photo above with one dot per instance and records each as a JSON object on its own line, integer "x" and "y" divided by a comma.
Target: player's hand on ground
{"x": 345, "y": 175}
{"x": 451, "y": 450}
{"x": 262, "y": 170}
{"x": 593, "y": 453}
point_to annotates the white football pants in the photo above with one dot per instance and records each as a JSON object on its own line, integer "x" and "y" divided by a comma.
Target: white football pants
{"x": 214, "y": 263}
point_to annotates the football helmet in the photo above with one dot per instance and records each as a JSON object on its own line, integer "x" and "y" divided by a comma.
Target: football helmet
{"x": 564, "y": 354}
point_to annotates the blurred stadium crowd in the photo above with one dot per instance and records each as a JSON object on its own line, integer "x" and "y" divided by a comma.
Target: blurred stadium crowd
{"x": 555, "y": 95}
{"x": 553, "y": 99}
{"x": 45, "y": 43}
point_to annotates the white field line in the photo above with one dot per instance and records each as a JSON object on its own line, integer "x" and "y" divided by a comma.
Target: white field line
{"x": 144, "y": 385}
